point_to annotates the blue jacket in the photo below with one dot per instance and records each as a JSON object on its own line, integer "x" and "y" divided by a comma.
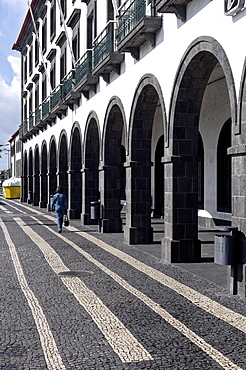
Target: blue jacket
{"x": 59, "y": 202}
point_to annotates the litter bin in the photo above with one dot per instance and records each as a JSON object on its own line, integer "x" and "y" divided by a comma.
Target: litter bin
{"x": 50, "y": 202}
{"x": 95, "y": 210}
{"x": 223, "y": 249}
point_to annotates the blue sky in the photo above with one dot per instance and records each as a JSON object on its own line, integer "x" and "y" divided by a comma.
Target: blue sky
{"x": 12, "y": 15}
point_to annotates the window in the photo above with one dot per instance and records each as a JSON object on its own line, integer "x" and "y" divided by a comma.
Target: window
{"x": 224, "y": 169}
{"x": 44, "y": 36}
{"x": 75, "y": 46}
{"x": 37, "y": 95}
{"x": 53, "y": 21}
{"x": 44, "y": 87}
{"x": 30, "y": 59}
{"x": 25, "y": 110}
{"x": 30, "y": 103}
{"x": 25, "y": 68}
{"x": 53, "y": 76}
{"x": 64, "y": 8}
{"x": 63, "y": 65}
{"x": 91, "y": 28}
{"x": 36, "y": 51}
{"x": 110, "y": 15}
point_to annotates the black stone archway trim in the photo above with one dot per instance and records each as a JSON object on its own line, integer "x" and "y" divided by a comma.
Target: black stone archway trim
{"x": 138, "y": 164}
{"x": 111, "y": 166}
{"x": 181, "y": 242}
{"x": 74, "y": 175}
{"x": 90, "y": 166}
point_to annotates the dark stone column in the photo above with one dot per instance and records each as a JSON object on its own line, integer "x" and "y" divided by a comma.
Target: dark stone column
{"x": 110, "y": 199}
{"x": 30, "y": 189}
{"x": 90, "y": 193}
{"x": 138, "y": 228}
{"x": 43, "y": 191}
{"x": 238, "y": 153}
{"x": 74, "y": 179}
{"x": 36, "y": 192}
{"x": 23, "y": 198}
{"x": 49, "y": 191}
{"x": 180, "y": 243}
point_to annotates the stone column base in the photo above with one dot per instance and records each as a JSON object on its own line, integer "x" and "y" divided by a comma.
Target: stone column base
{"x": 186, "y": 250}
{"x": 138, "y": 235}
{"x": 111, "y": 225}
{"x": 86, "y": 220}
{"x": 74, "y": 214}
{"x": 42, "y": 204}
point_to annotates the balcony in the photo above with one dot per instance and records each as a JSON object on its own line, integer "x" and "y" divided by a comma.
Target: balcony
{"x": 178, "y": 7}
{"x": 84, "y": 80}
{"x": 105, "y": 57}
{"x": 24, "y": 131}
{"x": 136, "y": 25}
{"x": 37, "y": 115}
{"x": 68, "y": 94}
{"x": 31, "y": 120}
{"x": 46, "y": 109}
{"x": 56, "y": 102}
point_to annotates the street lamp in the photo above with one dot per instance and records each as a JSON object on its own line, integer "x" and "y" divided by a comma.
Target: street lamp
{"x": 8, "y": 154}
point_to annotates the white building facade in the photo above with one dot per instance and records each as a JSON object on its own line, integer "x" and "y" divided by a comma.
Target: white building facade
{"x": 142, "y": 101}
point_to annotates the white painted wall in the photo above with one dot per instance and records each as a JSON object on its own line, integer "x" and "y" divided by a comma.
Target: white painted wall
{"x": 204, "y": 18}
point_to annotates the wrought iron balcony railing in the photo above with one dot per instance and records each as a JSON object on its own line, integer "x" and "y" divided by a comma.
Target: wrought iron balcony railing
{"x": 37, "y": 115}
{"x": 67, "y": 85}
{"x": 46, "y": 107}
{"x": 31, "y": 121}
{"x": 104, "y": 44}
{"x": 130, "y": 13}
{"x": 25, "y": 126}
{"x": 83, "y": 67}
{"x": 55, "y": 97}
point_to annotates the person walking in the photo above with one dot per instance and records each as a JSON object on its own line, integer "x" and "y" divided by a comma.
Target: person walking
{"x": 59, "y": 205}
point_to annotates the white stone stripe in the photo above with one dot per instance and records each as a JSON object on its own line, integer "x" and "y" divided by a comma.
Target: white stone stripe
{"x": 18, "y": 209}
{"x": 50, "y": 350}
{"x": 119, "y": 337}
{"x": 217, "y": 356}
{"x": 5, "y": 209}
{"x": 216, "y": 309}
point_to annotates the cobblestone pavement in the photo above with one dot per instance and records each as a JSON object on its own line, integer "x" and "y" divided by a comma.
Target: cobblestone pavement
{"x": 84, "y": 300}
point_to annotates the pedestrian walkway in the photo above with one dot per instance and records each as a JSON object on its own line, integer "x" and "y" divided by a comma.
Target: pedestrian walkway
{"x": 86, "y": 300}
{"x": 206, "y": 268}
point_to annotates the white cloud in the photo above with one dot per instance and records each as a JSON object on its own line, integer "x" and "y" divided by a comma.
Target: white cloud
{"x": 17, "y": 5}
{"x": 9, "y": 105}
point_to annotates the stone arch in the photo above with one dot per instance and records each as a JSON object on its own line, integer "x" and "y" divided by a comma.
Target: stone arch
{"x": 25, "y": 178}
{"x": 147, "y": 110}
{"x": 181, "y": 157}
{"x": 30, "y": 176}
{"x": 52, "y": 183}
{"x": 43, "y": 173}
{"x": 63, "y": 162}
{"x": 193, "y": 74}
{"x": 112, "y": 171}
{"x": 36, "y": 193}
{"x": 75, "y": 160}
{"x": 90, "y": 176}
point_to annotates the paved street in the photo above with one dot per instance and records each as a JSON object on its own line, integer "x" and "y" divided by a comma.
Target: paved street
{"x": 84, "y": 300}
